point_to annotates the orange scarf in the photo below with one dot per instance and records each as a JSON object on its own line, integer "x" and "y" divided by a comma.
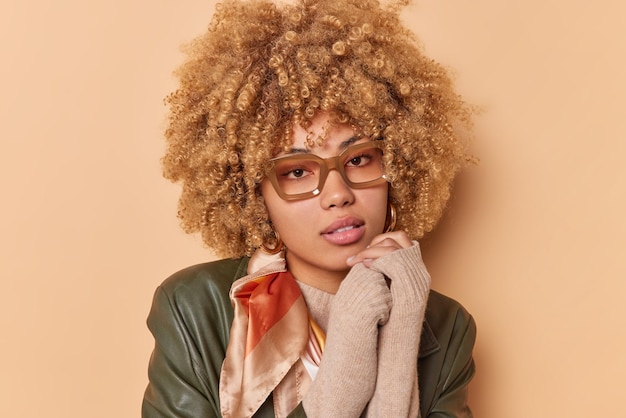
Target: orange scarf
{"x": 274, "y": 346}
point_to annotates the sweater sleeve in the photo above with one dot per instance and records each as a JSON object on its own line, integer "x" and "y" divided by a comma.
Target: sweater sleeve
{"x": 347, "y": 374}
{"x": 396, "y": 391}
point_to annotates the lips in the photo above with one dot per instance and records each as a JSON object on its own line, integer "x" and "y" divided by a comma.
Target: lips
{"x": 347, "y": 228}
{"x": 344, "y": 231}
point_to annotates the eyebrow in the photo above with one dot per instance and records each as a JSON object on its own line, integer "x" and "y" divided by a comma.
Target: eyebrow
{"x": 343, "y": 145}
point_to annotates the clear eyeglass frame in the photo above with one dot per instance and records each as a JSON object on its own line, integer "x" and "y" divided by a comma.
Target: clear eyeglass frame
{"x": 326, "y": 165}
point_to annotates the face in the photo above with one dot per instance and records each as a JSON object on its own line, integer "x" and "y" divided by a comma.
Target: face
{"x": 321, "y": 232}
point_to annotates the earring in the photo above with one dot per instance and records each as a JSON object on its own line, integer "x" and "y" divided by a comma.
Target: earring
{"x": 276, "y": 248}
{"x": 391, "y": 217}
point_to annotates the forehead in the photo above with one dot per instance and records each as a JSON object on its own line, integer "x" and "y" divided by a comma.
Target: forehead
{"x": 322, "y": 135}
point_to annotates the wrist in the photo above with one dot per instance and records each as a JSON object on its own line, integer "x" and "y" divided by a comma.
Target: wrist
{"x": 364, "y": 296}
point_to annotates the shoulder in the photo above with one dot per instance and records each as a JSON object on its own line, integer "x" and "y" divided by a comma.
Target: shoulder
{"x": 216, "y": 275}
{"x": 447, "y": 326}
{"x": 194, "y": 304}
{"x": 202, "y": 288}
{"x": 443, "y": 309}
{"x": 449, "y": 321}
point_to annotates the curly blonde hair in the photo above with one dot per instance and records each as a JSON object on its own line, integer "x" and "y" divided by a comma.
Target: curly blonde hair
{"x": 263, "y": 67}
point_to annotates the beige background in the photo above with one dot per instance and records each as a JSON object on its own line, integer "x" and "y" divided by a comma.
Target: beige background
{"x": 533, "y": 246}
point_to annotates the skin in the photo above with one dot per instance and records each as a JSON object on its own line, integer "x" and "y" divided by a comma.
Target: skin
{"x": 312, "y": 257}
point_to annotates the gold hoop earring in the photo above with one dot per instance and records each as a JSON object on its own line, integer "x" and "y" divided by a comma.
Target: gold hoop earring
{"x": 391, "y": 218}
{"x": 278, "y": 246}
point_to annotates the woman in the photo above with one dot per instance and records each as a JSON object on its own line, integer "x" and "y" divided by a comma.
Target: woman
{"x": 314, "y": 143}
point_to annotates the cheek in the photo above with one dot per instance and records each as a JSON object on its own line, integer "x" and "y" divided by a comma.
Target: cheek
{"x": 377, "y": 206}
{"x": 268, "y": 193}
{"x": 377, "y": 198}
{"x": 282, "y": 214}
{"x": 275, "y": 206}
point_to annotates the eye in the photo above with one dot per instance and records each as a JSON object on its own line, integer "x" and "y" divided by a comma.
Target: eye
{"x": 294, "y": 172}
{"x": 297, "y": 173}
{"x": 358, "y": 160}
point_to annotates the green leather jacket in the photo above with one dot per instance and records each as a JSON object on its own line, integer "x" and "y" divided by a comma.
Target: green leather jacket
{"x": 190, "y": 320}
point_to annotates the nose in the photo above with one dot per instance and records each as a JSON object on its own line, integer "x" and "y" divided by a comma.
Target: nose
{"x": 336, "y": 193}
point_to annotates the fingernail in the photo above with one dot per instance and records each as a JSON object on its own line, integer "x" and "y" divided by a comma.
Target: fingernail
{"x": 349, "y": 259}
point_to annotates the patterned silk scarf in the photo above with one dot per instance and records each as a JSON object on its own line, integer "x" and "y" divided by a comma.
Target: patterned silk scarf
{"x": 274, "y": 346}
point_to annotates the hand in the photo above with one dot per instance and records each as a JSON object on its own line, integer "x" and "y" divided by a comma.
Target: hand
{"x": 381, "y": 245}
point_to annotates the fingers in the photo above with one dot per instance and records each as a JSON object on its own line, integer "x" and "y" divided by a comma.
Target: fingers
{"x": 380, "y": 246}
{"x": 399, "y": 237}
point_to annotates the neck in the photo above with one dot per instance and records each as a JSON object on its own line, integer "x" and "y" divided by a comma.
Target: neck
{"x": 322, "y": 279}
